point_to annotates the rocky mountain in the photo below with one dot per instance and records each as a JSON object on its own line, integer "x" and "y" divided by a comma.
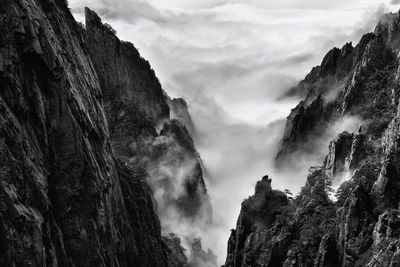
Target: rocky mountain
{"x": 360, "y": 81}
{"x": 356, "y": 224}
{"x": 180, "y": 112}
{"x": 141, "y": 129}
{"x": 85, "y": 131}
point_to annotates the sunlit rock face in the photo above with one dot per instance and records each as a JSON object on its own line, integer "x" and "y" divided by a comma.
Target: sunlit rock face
{"x": 345, "y": 154}
{"x": 359, "y": 225}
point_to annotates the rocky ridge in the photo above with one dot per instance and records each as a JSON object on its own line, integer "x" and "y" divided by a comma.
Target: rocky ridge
{"x": 360, "y": 81}
{"x": 359, "y": 225}
{"x": 141, "y": 129}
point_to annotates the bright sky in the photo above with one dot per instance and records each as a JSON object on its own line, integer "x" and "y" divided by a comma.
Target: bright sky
{"x": 231, "y": 59}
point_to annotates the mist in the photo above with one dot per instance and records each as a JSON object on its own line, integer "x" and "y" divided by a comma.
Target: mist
{"x": 232, "y": 61}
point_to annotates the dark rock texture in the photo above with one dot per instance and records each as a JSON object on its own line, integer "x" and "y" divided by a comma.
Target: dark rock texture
{"x": 201, "y": 258}
{"x": 126, "y": 79}
{"x": 345, "y": 154}
{"x": 136, "y": 106}
{"x": 249, "y": 244}
{"x": 360, "y": 81}
{"x": 358, "y": 224}
{"x": 62, "y": 202}
{"x": 180, "y": 112}
{"x": 177, "y": 255}
{"x": 174, "y": 169}
{"x": 69, "y": 98}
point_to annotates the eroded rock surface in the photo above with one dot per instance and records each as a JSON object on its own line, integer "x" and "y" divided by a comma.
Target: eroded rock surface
{"x": 358, "y": 224}
{"x": 359, "y": 82}
{"x": 180, "y": 112}
{"x": 141, "y": 129}
{"x": 72, "y": 101}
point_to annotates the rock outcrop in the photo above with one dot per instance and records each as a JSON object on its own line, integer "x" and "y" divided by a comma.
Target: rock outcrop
{"x": 180, "y": 112}
{"x": 273, "y": 230}
{"x": 356, "y": 225}
{"x": 139, "y": 116}
{"x": 72, "y": 103}
{"x": 359, "y": 81}
{"x": 386, "y": 250}
{"x": 250, "y": 244}
{"x": 345, "y": 154}
{"x": 201, "y": 258}
{"x": 126, "y": 79}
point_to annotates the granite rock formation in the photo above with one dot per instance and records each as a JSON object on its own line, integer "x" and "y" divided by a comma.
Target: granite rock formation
{"x": 360, "y": 81}
{"x": 357, "y": 224}
{"x": 72, "y": 103}
{"x": 345, "y": 153}
{"x": 200, "y": 257}
{"x": 180, "y": 112}
{"x": 141, "y": 129}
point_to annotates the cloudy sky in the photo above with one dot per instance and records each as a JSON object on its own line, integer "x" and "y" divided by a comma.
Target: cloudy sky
{"x": 231, "y": 60}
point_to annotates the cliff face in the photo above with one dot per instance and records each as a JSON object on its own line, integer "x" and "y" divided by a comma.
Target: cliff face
{"x": 126, "y": 79}
{"x": 136, "y": 107}
{"x": 275, "y": 230}
{"x": 180, "y": 112}
{"x": 62, "y": 199}
{"x": 69, "y": 98}
{"x": 254, "y": 226}
{"x": 345, "y": 153}
{"x": 360, "y": 81}
{"x": 355, "y": 225}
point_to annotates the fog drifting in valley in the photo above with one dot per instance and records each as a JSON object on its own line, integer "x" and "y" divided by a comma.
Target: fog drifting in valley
{"x": 232, "y": 61}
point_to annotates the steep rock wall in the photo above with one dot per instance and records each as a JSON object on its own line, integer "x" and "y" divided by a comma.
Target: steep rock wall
{"x": 141, "y": 131}
{"x": 360, "y": 81}
{"x": 64, "y": 198}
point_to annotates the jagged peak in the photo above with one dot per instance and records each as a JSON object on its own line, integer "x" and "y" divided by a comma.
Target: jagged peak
{"x": 92, "y": 18}
{"x": 180, "y": 100}
{"x": 365, "y": 39}
{"x": 387, "y": 22}
{"x": 335, "y": 61}
{"x": 329, "y": 61}
{"x": 389, "y": 29}
{"x": 347, "y": 49}
{"x": 123, "y": 73}
{"x": 264, "y": 185}
{"x": 179, "y": 110}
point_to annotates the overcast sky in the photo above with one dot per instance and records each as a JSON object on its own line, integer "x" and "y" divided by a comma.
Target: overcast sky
{"x": 231, "y": 59}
